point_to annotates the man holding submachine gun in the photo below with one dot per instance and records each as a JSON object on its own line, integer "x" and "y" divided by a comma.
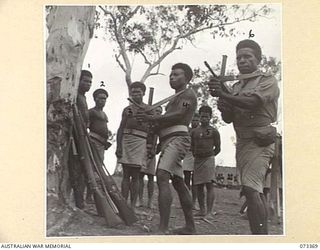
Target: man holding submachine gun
{"x": 175, "y": 142}
{"x": 251, "y": 105}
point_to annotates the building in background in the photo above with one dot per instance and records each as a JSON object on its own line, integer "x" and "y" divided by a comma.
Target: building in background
{"x": 227, "y": 177}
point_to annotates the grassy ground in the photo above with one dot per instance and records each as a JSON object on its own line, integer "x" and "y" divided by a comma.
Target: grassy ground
{"x": 227, "y": 221}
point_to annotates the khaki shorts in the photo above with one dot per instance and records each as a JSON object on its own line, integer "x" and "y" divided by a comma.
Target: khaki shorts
{"x": 188, "y": 162}
{"x": 150, "y": 167}
{"x": 253, "y": 162}
{"x": 173, "y": 150}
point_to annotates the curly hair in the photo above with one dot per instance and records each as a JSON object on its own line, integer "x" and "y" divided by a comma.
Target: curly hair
{"x": 247, "y": 43}
{"x": 205, "y": 109}
{"x": 186, "y": 68}
{"x": 138, "y": 85}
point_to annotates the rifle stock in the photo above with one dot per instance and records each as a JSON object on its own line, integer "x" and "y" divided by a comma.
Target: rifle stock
{"x": 109, "y": 200}
{"x": 125, "y": 212}
{"x": 114, "y": 197}
{"x": 102, "y": 205}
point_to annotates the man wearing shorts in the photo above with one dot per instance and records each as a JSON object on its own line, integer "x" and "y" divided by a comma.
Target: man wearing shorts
{"x": 251, "y": 107}
{"x": 175, "y": 143}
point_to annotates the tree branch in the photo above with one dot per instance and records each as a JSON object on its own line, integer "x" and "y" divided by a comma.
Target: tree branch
{"x": 122, "y": 49}
{"x": 197, "y": 30}
{"x": 132, "y": 13}
{"x": 145, "y": 57}
{"x": 185, "y": 36}
{"x": 163, "y": 47}
{"x": 120, "y": 64}
{"x": 157, "y": 73}
{"x": 160, "y": 59}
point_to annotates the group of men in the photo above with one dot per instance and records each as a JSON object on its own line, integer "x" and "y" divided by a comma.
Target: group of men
{"x": 188, "y": 153}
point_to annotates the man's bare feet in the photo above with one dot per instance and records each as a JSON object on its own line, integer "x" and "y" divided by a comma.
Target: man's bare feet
{"x": 210, "y": 215}
{"x": 89, "y": 200}
{"x": 149, "y": 204}
{"x": 139, "y": 203}
{"x": 200, "y": 214}
{"x": 184, "y": 231}
{"x": 162, "y": 232}
{"x": 195, "y": 207}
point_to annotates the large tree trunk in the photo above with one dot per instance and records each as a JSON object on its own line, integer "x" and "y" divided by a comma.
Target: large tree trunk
{"x": 70, "y": 29}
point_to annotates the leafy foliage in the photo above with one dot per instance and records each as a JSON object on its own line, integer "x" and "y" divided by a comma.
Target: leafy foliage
{"x": 153, "y": 32}
{"x": 271, "y": 65}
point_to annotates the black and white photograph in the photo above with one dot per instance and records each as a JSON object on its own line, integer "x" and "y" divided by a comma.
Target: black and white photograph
{"x": 164, "y": 120}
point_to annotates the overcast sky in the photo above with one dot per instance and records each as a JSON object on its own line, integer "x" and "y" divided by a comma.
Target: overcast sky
{"x": 104, "y": 68}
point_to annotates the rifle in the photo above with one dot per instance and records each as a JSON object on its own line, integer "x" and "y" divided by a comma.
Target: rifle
{"x": 221, "y": 78}
{"x": 125, "y": 212}
{"x": 158, "y": 104}
{"x": 152, "y": 135}
{"x": 113, "y": 206}
{"x": 102, "y": 204}
{"x": 113, "y": 194}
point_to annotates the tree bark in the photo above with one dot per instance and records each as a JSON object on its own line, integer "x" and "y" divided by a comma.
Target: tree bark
{"x": 69, "y": 29}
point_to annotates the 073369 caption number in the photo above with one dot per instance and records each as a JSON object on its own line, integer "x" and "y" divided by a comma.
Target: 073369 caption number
{"x": 305, "y": 245}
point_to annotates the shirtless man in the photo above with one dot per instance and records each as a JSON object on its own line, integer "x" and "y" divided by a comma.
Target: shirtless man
{"x": 99, "y": 133}
{"x": 205, "y": 145}
{"x": 175, "y": 143}
{"x": 98, "y": 126}
{"x": 131, "y": 144}
{"x": 76, "y": 170}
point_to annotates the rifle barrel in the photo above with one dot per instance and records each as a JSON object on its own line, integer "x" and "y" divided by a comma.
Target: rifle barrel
{"x": 210, "y": 69}
{"x": 151, "y": 90}
{"x": 223, "y": 66}
{"x": 159, "y": 103}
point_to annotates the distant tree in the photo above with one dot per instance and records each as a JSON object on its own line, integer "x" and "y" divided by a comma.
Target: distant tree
{"x": 271, "y": 65}
{"x": 154, "y": 32}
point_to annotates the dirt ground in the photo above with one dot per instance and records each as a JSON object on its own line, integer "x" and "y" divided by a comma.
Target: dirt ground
{"x": 227, "y": 221}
